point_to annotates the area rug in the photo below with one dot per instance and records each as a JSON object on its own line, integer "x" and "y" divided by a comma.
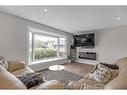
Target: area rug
{"x": 62, "y": 76}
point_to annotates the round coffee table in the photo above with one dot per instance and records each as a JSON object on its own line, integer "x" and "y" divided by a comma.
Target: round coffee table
{"x": 56, "y": 67}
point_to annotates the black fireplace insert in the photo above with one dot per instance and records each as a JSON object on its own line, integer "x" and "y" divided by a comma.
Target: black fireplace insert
{"x": 87, "y": 55}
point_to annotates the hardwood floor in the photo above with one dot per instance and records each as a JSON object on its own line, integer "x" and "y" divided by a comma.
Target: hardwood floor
{"x": 78, "y": 68}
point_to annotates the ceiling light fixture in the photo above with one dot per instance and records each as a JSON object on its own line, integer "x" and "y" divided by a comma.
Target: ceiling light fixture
{"x": 118, "y": 18}
{"x": 78, "y": 27}
{"x": 45, "y": 10}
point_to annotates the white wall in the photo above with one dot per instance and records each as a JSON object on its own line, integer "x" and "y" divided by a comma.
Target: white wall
{"x": 111, "y": 44}
{"x": 13, "y": 37}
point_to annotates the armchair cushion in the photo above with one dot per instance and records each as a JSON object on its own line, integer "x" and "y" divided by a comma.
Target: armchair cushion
{"x": 15, "y": 65}
{"x": 26, "y": 70}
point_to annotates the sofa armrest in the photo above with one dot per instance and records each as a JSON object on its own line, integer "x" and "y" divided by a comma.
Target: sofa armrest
{"x": 78, "y": 84}
{"x": 94, "y": 68}
{"x": 15, "y": 65}
{"x": 120, "y": 82}
{"x": 9, "y": 81}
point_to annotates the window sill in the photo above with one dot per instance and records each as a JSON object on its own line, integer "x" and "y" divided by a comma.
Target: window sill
{"x": 47, "y": 60}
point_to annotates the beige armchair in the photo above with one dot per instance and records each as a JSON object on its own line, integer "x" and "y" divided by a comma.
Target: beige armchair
{"x": 120, "y": 82}
{"x": 8, "y": 79}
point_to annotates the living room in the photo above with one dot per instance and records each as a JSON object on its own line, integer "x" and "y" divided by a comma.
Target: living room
{"x": 65, "y": 46}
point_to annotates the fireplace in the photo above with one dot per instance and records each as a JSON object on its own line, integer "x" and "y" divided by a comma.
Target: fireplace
{"x": 87, "y": 55}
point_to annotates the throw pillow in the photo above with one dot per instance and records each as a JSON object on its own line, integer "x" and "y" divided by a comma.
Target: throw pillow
{"x": 113, "y": 68}
{"x": 31, "y": 79}
{"x": 3, "y": 62}
{"x": 102, "y": 75}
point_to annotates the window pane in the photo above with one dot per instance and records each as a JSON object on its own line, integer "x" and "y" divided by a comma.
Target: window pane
{"x": 45, "y": 47}
{"x": 62, "y": 48}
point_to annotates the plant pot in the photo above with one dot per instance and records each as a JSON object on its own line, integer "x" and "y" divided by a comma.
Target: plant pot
{"x": 69, "y": 61}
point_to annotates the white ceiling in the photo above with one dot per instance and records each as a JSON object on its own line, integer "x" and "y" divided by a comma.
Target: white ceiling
{"x": 72, "y": 19}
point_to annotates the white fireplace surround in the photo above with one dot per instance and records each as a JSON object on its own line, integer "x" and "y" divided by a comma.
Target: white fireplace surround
{"x": 110, "y": 45}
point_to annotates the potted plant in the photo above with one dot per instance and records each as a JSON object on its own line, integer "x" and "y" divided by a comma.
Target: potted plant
{"x": 69, "y": 59}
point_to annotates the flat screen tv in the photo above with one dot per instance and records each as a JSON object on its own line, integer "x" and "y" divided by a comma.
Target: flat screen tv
{"x": 84, "y": 40}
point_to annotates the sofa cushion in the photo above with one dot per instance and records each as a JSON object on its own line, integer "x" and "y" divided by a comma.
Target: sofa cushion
{"x": 26, "y": 70}
{"x": 15, "y": 65}
{"x": 9, "y": 81}
{"x": 3, "y": 62}
{"x": 31, "y": 79}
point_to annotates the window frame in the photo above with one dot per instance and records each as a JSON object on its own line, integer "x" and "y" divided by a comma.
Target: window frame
{"x": 49, "y": 35}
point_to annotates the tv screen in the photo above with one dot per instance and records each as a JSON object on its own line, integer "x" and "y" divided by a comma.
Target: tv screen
{"x": 84, "y": 40}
